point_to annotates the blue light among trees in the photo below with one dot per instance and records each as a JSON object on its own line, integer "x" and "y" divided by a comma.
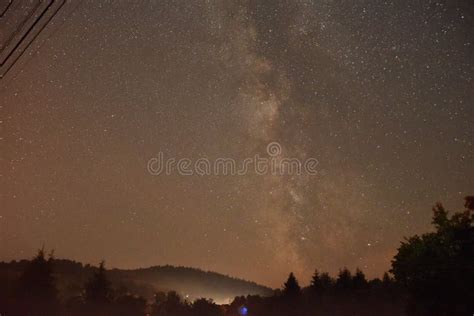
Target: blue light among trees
{"x": 243, "y": 310}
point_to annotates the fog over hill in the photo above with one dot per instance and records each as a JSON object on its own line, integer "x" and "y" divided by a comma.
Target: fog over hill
{"x": 191, "y": 283}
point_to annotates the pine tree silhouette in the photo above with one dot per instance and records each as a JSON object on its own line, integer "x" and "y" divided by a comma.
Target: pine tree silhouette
{"x": 291, "y": 287}
{"x": 37, "y": 286}
{"x": 320, "y": 283}
{"x": 315, "y": 281}
{"x": 359, "y": 281}
{"x": 344, "y": 280}
{"x": 97, "y": 290}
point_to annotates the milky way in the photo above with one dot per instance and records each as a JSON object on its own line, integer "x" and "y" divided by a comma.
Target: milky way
{"x": 381, "y": 94}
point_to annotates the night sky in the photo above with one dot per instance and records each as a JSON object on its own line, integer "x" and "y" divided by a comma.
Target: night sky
{"x": 379, "y": 92}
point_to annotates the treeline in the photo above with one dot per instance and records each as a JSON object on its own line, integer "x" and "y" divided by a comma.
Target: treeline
{"x": 431, "y": 274}
{"x": 195, "y": 283}
{"x": 347, "y": 294}
{"x": 36, "y": 294}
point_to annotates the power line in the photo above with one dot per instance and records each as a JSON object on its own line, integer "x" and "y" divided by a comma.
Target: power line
{"x": 6, "y": 8}
{"x": 22, "y": 51}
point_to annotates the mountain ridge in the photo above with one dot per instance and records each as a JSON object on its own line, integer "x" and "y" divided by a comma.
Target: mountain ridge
{"x": 189, "y": 282}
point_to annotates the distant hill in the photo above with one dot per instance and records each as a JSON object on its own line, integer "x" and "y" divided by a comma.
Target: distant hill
{"x": 191, "y": 283}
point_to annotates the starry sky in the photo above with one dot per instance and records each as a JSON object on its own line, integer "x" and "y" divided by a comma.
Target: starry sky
{"x": 379, "y": 92}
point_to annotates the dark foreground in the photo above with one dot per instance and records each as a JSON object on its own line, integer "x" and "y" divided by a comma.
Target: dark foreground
{"x": 431, "y": 275}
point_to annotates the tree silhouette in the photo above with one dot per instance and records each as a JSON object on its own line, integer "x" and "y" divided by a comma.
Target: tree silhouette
{"x": 205, "y": 307}
{"x": 315, "y": 283}
{"x": 359, "y": 282}
{"x": 320, "y": 283}
{"x": 97, "y": 289}
{"x": 344, "y": 280}
{"x": 291, "y": 288}
{"x": 469, "y": 202}
{"x": 128, "y": 305}
{"x": 386, "y": 279}
{"x": 37, "y": 289}
{"x": 437, "y": 268}
{"x": 170, "y": 304}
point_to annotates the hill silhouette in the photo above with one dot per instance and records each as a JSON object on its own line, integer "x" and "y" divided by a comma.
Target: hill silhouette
{"x": 191, "y": 283}
{"x": 430, "y": 275}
